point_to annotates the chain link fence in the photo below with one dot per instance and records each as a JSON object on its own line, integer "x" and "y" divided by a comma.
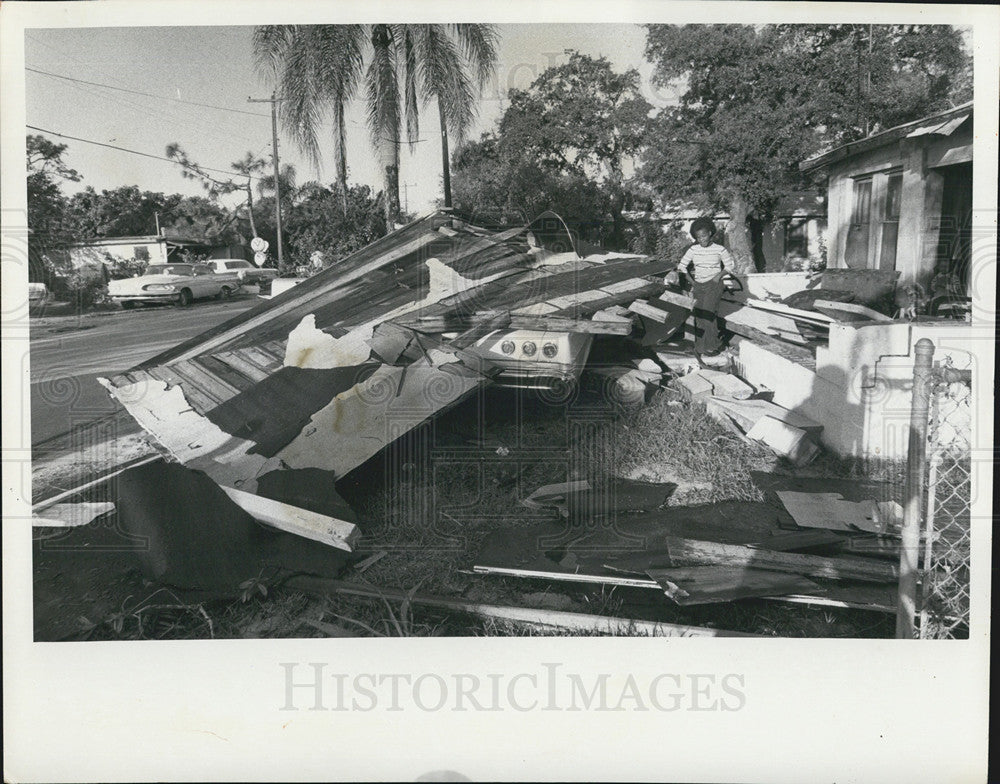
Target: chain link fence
{"x": 946, "y": 543}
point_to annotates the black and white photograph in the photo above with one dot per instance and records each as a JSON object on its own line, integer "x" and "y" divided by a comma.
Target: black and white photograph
{"x": 634, "y": 362}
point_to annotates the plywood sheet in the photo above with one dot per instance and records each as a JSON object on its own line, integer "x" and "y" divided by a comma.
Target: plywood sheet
{"x": 830, "y": 510}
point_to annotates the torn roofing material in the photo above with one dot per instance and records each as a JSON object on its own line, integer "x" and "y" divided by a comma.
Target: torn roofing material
{"x": 329, "y": 372}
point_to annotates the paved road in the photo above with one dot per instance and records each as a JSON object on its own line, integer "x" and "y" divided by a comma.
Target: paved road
{"x": 69, "y": 353}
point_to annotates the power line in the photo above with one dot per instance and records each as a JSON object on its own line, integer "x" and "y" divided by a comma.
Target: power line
{"x": 148, "y": 95}
{"x": 135, "y": 152}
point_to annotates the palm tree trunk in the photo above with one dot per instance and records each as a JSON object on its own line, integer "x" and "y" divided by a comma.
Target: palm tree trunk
{"x": 445, "y": 163}
{"x": 388, "y": 153}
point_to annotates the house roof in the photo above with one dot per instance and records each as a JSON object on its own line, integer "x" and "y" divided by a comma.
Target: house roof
{"x": 941, "y": 124}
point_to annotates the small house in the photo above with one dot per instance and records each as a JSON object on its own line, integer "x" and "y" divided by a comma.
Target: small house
{"x": 901, "y": 199}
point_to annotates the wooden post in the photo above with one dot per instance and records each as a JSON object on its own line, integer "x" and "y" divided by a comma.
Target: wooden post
{"x": 909, "y": 552}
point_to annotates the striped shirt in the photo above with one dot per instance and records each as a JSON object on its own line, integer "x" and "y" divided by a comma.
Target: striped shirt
{"x": 704, "y": 263}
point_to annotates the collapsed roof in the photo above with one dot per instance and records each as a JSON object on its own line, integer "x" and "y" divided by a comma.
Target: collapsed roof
{"x": 329, "y": 372}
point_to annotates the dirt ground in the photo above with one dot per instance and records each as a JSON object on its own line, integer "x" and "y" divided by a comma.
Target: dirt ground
{"x": 432, "y": 521}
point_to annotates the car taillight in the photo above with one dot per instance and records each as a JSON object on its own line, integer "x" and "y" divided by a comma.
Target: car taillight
{"x": 507, "y": 347}
{"x": 528, "y": 348}
{"x": 550, "y": 350}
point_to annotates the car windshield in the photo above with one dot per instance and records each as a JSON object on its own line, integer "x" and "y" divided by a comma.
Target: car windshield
{"x": 168, "y": 269}
{"x": 237, "y": 265}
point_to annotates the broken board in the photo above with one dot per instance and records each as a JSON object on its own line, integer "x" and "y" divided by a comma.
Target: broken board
{"x": 713, "y": 584}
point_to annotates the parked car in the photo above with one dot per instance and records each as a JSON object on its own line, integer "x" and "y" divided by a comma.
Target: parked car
{"x": 176, "y": 283}
{"x": 245, "y": 271}
{"x": 38, "y": 294}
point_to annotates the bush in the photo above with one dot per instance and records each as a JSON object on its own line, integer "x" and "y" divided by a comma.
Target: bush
{"x": 86, "y": 288}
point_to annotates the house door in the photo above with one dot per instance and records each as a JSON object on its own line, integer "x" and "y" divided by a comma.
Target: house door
{"x": 954, "y": 243}
{"x": 859, "y": 230}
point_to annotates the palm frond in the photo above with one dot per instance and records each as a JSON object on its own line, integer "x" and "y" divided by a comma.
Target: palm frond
{"x": 270, "y": 42}
{"x": 479, "y": 43}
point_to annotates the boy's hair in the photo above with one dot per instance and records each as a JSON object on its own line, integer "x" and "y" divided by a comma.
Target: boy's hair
{"x": 702, "y": 223}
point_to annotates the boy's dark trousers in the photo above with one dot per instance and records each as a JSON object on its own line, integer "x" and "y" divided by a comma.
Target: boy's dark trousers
{"x": 706, "y": 304}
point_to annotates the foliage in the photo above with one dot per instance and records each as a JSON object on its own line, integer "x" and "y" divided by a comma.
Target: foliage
{"x": 85, "y": 288}
{"x": 757, "y": 100}
{"x": 47, "y": 206}
{"x": 565, "y": 144}
{"x": 321, "y": 68}
{"x": 316, "y": 222}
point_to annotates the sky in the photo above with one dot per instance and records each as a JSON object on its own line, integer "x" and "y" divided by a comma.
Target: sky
{"x": 214, "y": 66}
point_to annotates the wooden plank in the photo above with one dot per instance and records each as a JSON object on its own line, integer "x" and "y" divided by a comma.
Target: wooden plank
{"x": 852, "y": 311}
{"x": 237, "y": 361}
{"x": 801, "y": 540}
{"x": 787, "y": 441}
{"x": 570, "y": 577}
{"x": 807, "y": 316}
{"x": 545, "y": 619}
{"x": 682, "y": 300}
{"x": 70, "y": 515}
{"x": 830, "y": 510}
{"x": 694, "y": 386}
{"x": 294, "y": 520}
{"x": 867, "y": 597}
{"x": 56, "y": 499}
{"x": 695, "y": 552}
{"x": 224, "y": 372}
{"x": 726, "y": 384}
{"x": 207, "y": 382}
{"x": 714, "y": 584}
{"x": 748, "y": 412}
{"x": 267, "y": 361}
{"x": 558, "y": 324}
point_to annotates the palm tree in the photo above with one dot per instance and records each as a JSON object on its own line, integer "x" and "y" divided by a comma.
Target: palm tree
{"x": 320, "y": 68}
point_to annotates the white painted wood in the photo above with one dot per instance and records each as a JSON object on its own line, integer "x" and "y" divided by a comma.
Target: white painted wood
{"x": 295, "y": 520}
{"x": 70, "y": 515}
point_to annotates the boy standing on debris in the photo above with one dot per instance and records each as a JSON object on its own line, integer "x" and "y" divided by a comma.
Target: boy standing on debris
{"x": 706, "y": 263}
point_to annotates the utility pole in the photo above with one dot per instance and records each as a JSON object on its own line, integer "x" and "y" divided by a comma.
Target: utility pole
{"x": 273, "y": 100}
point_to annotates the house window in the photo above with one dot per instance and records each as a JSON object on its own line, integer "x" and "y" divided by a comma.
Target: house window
{"x": 856, "y": 254}
{"x": 873, "y": 231}
{"x": 797, "y": 238}
{"x": 140, "y": 253}
{"x": 890, "y": 221}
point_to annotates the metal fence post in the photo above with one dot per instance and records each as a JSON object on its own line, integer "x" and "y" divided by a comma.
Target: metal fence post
{"x": 916, "y": 458}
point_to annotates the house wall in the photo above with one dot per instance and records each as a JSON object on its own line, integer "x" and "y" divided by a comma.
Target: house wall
{"x": 94, "y": 255}
{"x": 862, "y": 386}
{"x": 919, "y": 158}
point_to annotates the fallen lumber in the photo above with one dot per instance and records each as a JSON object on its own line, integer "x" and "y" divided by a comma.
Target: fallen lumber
{"x": 563, "y": 324}
{"x": 694, "y": 585}
{"x": 807, "y": 316}
{"x": 866, "y": 597}
{"x": 849, "y": 312}
{"x": 295, "y": 520}
{"x": 71, "y": 515}
{"x": 55, "y": 499}
{"x": 695, "y": 552}
{"x": 748, "y": 412}
{"x": 726, "y": 384}
{"x": 694, "y": 386}
{"x": 544, "y": 619}
{"x": 787, "y": 441}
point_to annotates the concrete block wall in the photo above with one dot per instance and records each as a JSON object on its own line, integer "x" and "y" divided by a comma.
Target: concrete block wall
{"x": 862, "y": 386}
